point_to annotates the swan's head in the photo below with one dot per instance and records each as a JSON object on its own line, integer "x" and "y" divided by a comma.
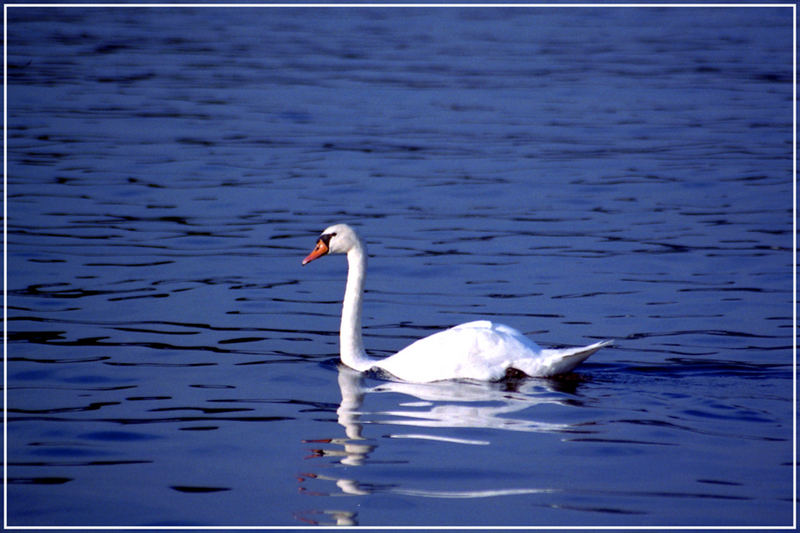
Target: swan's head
{"x": 336, "y": 239}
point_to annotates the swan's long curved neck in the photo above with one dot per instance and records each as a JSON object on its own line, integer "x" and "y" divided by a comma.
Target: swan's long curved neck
{"x": 351, "y": 346}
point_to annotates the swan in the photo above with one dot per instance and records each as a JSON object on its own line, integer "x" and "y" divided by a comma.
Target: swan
{"x": 479, "y": 350}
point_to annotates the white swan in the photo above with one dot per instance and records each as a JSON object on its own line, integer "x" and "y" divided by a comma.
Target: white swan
{"x": 479, "y": 350}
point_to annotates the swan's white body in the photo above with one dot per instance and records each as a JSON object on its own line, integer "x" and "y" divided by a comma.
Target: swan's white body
{"x": 479, "y": 350}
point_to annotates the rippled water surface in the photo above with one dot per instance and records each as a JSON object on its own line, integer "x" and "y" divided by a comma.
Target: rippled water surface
{"x": 579, "y": 174}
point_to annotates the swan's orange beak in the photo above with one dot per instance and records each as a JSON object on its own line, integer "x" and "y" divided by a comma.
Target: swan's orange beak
{"x": 319, "y": 250}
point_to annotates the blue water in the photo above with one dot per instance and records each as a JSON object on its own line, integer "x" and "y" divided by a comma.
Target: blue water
{"x": 579, "y": 174}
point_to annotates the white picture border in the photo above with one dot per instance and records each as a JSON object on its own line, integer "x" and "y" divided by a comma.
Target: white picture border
{"x": 6, "y": 7}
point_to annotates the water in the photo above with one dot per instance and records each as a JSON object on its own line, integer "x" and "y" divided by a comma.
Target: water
{"x": 579, "y": 174}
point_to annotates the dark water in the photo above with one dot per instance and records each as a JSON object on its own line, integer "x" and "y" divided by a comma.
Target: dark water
{"x": 579, "y": 174}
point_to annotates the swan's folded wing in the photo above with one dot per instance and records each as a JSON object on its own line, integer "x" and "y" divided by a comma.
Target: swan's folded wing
{"x": 477, "y": 350}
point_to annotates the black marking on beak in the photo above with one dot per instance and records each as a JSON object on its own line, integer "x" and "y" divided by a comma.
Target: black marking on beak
{"x": 326, "y": 238}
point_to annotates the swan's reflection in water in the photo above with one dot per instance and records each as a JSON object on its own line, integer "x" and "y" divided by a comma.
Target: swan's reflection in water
{"x": 447, "y": 404}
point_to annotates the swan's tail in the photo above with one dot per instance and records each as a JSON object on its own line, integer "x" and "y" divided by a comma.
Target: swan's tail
{"x": 561, "y": 361}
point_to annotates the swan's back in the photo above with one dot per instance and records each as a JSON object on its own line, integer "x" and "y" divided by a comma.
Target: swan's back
{"x": 479, "y": 350}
